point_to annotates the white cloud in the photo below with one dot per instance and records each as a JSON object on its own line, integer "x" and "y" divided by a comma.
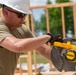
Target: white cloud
{"x": 74, "y": 0}
{"x": 37, "y": 2}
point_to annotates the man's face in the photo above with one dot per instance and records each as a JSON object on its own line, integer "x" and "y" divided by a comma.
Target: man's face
{"x": 15, "y": 18}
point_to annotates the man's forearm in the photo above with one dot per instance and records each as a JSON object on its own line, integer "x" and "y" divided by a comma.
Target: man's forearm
{"x": 23, "y": 45}
{"x": 45, "y": 51}
{"x": 32, "y": 43}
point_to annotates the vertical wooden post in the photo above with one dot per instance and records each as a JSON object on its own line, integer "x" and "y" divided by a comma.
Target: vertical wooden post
{"x": 29, "y": 53}
{"x": 63, "y": 22}
{"x": 34, "y": 52}
{"x": 48, "y": 29}
{"x": 20, "y": 66}
{"x": 47, "y": 21}
{"x": 74, "y": 15}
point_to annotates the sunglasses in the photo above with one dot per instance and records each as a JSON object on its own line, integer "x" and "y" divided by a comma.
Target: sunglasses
{"x": 20, "y": 15}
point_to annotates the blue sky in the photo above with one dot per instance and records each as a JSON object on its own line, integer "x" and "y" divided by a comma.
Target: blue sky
{"x": 39, "y": 2}
{"x": 42, "y": 2}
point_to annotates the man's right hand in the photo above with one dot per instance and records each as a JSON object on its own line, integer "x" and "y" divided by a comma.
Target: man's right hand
{"x": 54, "y": 37}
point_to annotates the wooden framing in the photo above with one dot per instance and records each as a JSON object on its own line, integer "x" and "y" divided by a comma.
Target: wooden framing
{"x": 51, "y": 73}
{"x": 59, "y": 5}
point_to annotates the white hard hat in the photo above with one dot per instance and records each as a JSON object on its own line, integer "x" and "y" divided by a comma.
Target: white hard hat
{"x": 19, "y": 5}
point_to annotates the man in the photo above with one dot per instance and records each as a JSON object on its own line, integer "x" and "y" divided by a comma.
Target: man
{"x": 16, "y": 37}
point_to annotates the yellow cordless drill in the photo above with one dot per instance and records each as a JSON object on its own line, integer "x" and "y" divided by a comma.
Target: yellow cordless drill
{"x": 70, "y": 53}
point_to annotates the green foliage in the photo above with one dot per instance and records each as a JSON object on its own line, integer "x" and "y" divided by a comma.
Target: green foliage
{"x": 68, "y": 15}
{"x": 69, "y": 19}
{"x": 55, "y": 20}
{"x": 48, "y": 2}
{"x": 39, "y": 58}
{"x": 1, "y": 5}
{"x": 62, "y": 1}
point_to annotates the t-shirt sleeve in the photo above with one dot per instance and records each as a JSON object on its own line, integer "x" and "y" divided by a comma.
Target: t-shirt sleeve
{"x": 29, "y": 33}
{"x": 4, "y": 32}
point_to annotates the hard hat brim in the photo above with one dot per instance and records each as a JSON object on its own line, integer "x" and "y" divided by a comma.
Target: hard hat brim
{"x": 25, "y": 12}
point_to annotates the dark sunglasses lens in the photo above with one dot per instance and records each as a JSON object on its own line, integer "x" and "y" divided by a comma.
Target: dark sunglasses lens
{"x": 20, "y": 15}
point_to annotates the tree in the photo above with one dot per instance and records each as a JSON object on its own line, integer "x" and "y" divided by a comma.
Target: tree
{"x": 55, "y": 18}
{"x": 68, "y": 12}
{"x": 42, "y": 24}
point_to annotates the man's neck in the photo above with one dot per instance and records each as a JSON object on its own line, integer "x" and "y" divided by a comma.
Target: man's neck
{"x": 7, "y": 24}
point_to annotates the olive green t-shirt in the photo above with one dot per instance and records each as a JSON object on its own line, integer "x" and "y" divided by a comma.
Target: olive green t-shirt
{"x": 8, "y": 59}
